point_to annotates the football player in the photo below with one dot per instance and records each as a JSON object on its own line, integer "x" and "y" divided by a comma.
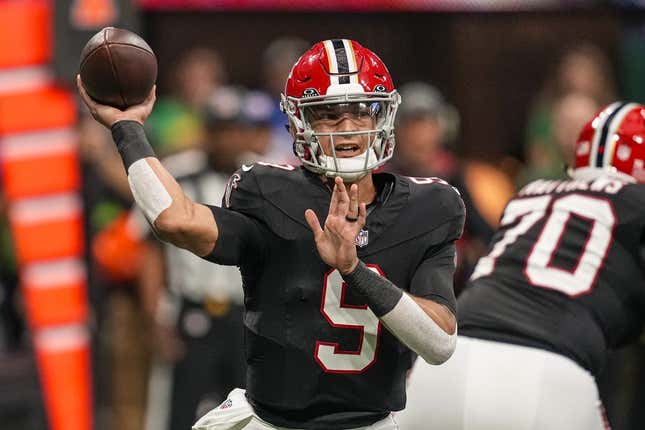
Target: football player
{"x": 347, "y": 273}
{"x": 563, "y": 283}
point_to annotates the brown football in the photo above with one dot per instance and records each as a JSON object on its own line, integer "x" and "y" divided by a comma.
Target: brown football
{"x": 118, "y": 68}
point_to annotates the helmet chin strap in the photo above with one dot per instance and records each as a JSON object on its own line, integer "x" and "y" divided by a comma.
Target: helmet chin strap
{"x": 351, "y": 169}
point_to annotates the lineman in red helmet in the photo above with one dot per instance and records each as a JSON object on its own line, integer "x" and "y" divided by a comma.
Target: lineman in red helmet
{"x": 562, "y": 284}
{"x": 333, "y": 319}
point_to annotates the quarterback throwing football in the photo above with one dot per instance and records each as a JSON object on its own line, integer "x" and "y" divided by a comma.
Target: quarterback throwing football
{"x": 333, "y": 319}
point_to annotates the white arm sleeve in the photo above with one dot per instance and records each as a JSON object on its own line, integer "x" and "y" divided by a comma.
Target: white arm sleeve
{"x": 412, "y": 326}
{"x": 148, "y": 191}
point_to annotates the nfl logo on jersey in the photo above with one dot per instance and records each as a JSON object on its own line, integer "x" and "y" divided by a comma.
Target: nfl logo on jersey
{"x": 226, "y": 404}
{"x": 362, "y": 238}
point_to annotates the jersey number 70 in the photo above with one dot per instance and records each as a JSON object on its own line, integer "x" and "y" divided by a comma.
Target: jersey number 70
{"x": 537, "y": 268}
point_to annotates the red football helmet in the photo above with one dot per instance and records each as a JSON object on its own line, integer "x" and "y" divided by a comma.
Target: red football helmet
{"x": 340, "y": 75}
{"x": 614, "y": 141}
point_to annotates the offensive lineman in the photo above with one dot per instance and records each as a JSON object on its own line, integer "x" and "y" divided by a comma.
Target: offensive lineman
{"x": 333, "y": 319}
{"x": 562, "y": 283}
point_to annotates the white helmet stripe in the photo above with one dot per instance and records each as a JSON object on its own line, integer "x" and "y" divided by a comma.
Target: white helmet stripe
{"x": 332, "y": 62}
{"x": 598, "y": 131}
{"x": 610, "y": 145}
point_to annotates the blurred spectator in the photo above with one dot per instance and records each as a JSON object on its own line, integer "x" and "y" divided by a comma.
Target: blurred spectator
{"x": 426, "y": 128}
{"x": 569, "y": 113}
{"x": 238, "y": 127}
{"x": 198, "y": 317}
{"x": 583, "y": 70}
{"x": 175, "y": 124}
{"x": 426, "y": 131}
{"x": 277, "y": 60}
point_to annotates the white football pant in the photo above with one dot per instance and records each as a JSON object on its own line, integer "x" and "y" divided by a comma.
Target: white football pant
{"x": 498, "y": 386}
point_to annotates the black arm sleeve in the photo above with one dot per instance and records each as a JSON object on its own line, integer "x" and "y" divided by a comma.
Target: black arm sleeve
{"x": 433, "y": 279}
{"x": 131, "y": 141}
{"x": 240, "y": 239}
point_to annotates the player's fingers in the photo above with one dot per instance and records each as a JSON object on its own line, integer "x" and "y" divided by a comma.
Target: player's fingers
{"x": 352, "y": 211}
{"x": 362, "y": 215}
{"x": 152, "y": 96}
{"x": 333, "y": 202}
{"x": 342, "y": 197}
{"x": 86, "y": 98}
{"x": 314, "y": 224}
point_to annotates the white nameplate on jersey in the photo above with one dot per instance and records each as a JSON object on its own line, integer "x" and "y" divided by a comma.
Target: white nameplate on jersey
{"x": 362, "y": 239}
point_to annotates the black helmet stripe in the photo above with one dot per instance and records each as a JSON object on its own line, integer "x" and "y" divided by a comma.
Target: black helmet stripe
{"x": 602, "y": 143}
{"x": 341, "y": 60}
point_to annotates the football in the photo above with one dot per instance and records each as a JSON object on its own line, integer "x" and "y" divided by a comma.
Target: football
{"x": 118, "y": 68}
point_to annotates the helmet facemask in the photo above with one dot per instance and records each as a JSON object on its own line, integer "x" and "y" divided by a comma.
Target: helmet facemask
{"x": 363, "y": 109}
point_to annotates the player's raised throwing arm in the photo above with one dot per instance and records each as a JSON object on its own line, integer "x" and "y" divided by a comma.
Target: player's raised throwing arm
{"x": 175, "y": 217}
{"x": 428, "y": 327}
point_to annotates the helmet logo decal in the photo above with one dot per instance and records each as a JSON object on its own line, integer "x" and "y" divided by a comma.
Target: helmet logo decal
{"x": 623, "y": 153}
{"x": 310, "y": 92}
{"x": 583, "y": 148}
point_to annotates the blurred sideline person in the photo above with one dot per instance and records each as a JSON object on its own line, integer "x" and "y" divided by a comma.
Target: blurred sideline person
{"x": 333, "y": 319}
{"x": 569, "y": 112}
{"x": 277, "y": 60}
{"x": 176, "y": 123}
{"x": 427, "y": 129}
{"x": 583, "y": 69}
{"x": 198, "y": 318}
{"x": 561, "y": 285}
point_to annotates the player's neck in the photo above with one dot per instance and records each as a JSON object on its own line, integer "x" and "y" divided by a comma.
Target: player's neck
{"x": 366, "y": 189}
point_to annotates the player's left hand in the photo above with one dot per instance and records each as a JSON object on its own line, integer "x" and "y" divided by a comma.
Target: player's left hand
{"x": 336, "y": 242}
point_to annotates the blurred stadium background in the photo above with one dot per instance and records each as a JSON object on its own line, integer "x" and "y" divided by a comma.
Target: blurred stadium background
{"x": 511, "y": 82}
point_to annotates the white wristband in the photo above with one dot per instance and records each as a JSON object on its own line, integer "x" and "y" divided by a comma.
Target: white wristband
{"x": 412, "y": 326}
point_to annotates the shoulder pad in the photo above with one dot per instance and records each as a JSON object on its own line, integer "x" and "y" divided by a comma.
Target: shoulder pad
{"x": 631, "y": 203}
{"x": 436, "y": 205}
{"x": 274, "y": 194}
{"x": 249, "y": 184}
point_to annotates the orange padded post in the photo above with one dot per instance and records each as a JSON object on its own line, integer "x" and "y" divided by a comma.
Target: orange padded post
{"x": 36, "y": 110}
{"x": 25, "y": 32}
{"x": 39, "y": 163}
{"x": 55, "y": 293}
{"x": 40, "y": 179}
{"x": 63, "y": 357}
{"x": 47, "y": 228}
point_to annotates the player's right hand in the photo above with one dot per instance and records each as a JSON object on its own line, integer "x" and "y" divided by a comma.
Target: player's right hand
{"x": 336, "y": 241}
{"x": 108, "y": 115}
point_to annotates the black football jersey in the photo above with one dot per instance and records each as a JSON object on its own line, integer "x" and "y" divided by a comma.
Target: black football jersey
{"x": 317, "y": 356}
{"x": 564, "y": 271}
